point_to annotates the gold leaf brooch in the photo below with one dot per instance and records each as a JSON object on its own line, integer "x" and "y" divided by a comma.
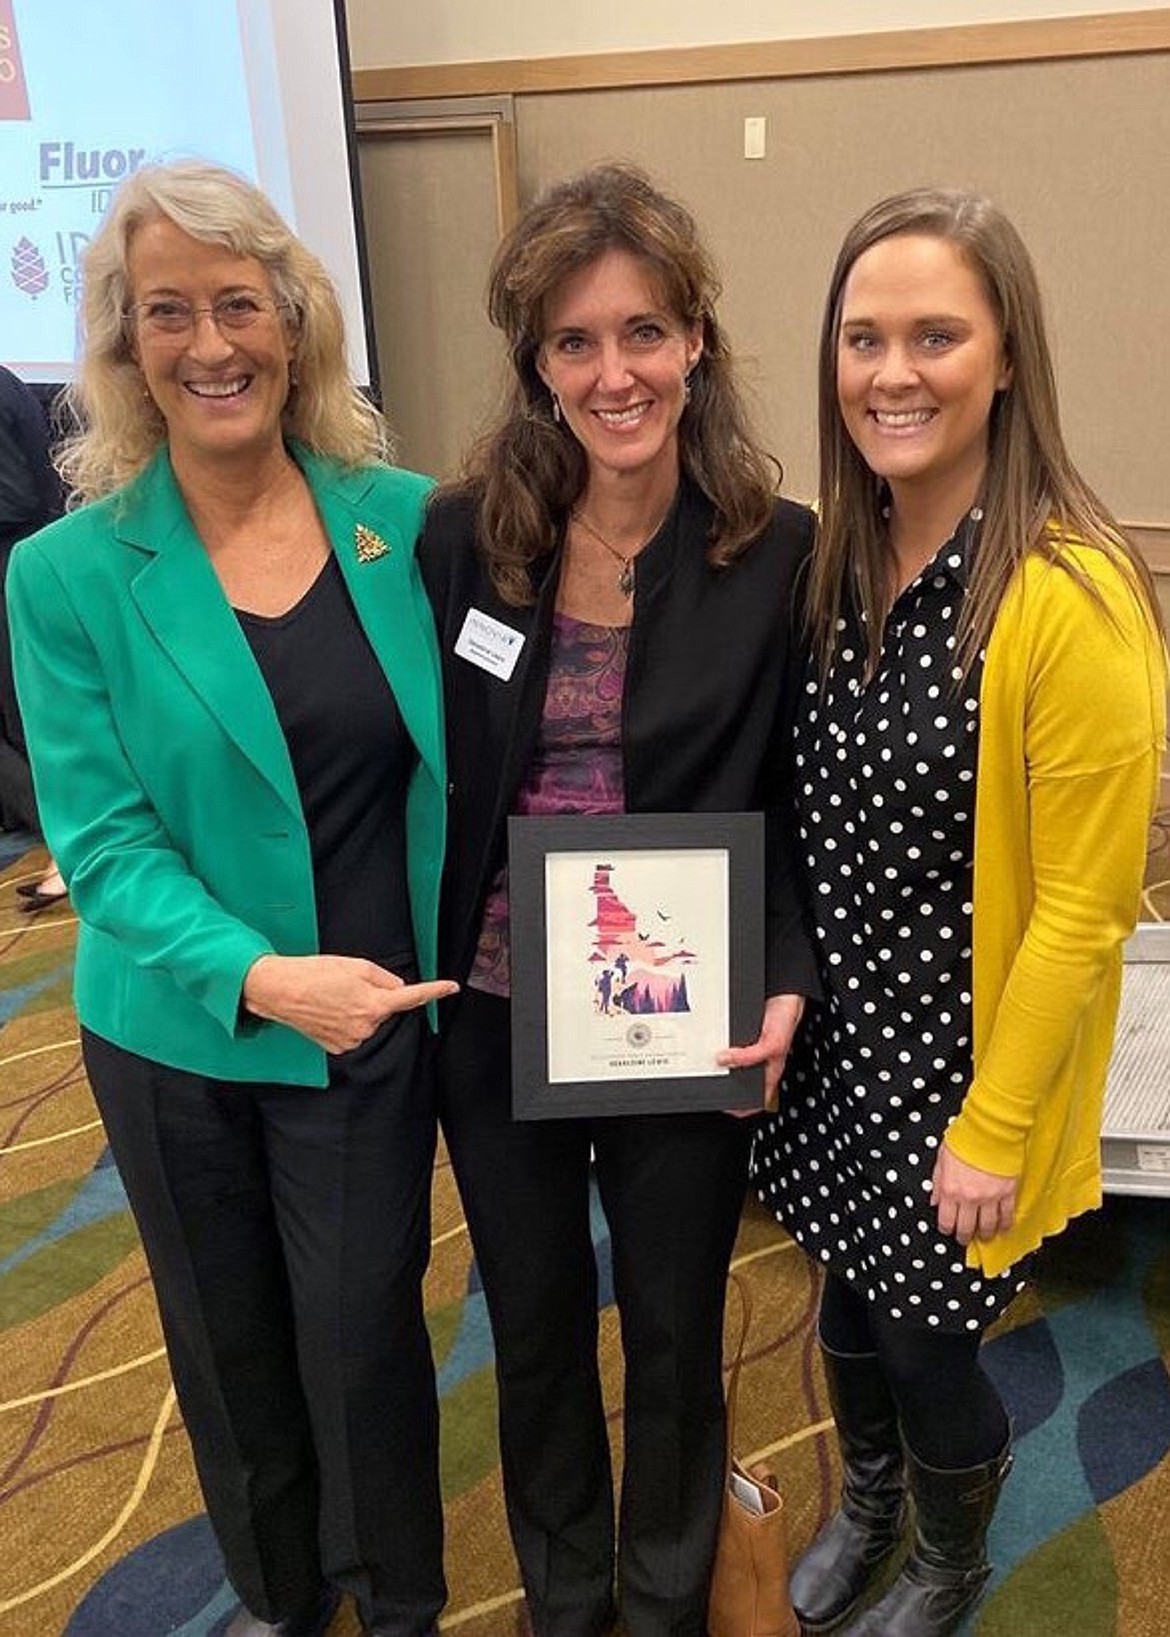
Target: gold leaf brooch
{"x": 370, "y": 546}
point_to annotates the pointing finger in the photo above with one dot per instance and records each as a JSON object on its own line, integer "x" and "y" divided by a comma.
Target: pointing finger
{"x": 409, "y": 995}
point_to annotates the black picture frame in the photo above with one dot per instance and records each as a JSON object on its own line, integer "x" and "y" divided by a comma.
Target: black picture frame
{"x": 567, "y": 1061}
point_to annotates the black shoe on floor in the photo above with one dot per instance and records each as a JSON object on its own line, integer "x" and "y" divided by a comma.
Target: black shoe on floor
{"x": 947, "y": 1569}
{"x": 31, "y": 903}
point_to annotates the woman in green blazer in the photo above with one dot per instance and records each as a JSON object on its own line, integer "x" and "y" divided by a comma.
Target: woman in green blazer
{"x": 230, "y": 683}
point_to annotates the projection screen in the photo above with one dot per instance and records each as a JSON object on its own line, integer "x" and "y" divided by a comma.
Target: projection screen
{"x": 90, "y": 92}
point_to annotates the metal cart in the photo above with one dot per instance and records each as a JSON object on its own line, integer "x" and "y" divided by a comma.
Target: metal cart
{"x": 1135, "y": 1137}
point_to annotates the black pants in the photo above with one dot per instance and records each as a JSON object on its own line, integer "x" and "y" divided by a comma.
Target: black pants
{"x": 672, "y": 1188}
{"x": 951, "y": 1414}
{"x": 287, "y": 1230}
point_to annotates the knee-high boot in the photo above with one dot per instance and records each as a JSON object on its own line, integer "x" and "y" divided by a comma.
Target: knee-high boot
{"x": 947, "y": 1569}
{"x": 841, "y": 1563}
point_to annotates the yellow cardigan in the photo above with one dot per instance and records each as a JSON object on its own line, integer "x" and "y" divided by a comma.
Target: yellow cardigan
{"x": 1072, "y": 729}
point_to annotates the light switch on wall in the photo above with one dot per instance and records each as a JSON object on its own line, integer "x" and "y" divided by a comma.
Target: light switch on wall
{"x": 755, "y": 138}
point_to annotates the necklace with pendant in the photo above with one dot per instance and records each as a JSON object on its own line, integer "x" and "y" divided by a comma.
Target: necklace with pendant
{"x": 625, "y": 579}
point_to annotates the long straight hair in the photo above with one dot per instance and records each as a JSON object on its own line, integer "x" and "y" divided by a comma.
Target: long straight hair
{"x": 1033, "y": 500}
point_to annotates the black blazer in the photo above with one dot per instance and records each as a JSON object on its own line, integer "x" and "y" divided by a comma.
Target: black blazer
{"x": 705, "y": 719}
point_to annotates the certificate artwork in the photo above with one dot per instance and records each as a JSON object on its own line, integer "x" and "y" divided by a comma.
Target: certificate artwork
{"x": 637, "y": 964}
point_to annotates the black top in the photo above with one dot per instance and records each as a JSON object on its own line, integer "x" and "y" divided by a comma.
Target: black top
{"x": 351, "y": 758}
{"x": 886, "y": 803}
{"x": 703, "y": 709}
{"x": 30, "y": 494}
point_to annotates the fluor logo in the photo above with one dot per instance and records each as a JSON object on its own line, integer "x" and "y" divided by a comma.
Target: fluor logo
{"x": 13, "y": 90}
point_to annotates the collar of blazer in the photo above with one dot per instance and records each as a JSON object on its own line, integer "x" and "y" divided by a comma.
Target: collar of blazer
{"x": 182, "y": 602}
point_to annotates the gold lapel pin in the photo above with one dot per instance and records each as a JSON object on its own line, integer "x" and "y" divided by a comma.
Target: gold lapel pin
{"x": 370, "y": 546}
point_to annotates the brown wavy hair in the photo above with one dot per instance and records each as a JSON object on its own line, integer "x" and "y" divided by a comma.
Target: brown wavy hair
{"x": 1033, "y": 500}
{"x": 117, "y": 429}
{"x": 527, "y": 471}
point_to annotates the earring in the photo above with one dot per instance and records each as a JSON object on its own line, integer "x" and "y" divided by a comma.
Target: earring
{"x": 687, "y": 385}
{"x": 556, "y": 408}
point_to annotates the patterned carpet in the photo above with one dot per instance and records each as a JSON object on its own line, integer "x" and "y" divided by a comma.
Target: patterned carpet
{"x": 99, "y": 1512}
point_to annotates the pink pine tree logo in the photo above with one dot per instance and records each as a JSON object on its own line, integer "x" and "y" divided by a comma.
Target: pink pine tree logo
{"x": 29, "y": 273}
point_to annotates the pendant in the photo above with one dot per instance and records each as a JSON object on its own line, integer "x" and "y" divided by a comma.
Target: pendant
{"x": 626, "y": 580}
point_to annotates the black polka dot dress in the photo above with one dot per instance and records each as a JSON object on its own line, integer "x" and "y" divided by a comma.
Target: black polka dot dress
{"x": 886, "y": 807}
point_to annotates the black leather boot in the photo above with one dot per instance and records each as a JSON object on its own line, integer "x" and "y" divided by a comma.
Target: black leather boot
{"x": 947, "y": 1568}
{"x": 840, "y": 1564}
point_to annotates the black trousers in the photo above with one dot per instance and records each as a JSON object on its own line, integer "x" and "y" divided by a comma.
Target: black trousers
{"x": 672, "y": 1187}
{"x": 287, "y": 1230}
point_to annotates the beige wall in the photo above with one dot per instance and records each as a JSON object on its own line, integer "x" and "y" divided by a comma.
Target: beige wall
{"x": 431, "y": 228}
{"x": 1075, "y": 151}
{"x": 384, "y": 33}
{"x": 1071, "y": 141}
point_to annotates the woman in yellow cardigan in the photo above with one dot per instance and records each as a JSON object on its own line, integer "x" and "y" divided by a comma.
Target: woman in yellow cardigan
{"x": 978, "y": 755}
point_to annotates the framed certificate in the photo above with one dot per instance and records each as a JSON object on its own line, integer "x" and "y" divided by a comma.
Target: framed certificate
{"x": 637, "y": 954}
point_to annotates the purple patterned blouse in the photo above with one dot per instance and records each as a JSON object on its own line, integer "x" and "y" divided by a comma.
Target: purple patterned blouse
{"x": 576, "y": 766}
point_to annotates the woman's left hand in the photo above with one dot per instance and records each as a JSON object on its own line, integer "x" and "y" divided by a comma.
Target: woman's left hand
{"x": 782, "y": 1013}
{"x": 971, "y": 1204}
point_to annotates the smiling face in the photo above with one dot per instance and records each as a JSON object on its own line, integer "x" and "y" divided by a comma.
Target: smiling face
{"x": 617, "y": 361}
{"x": 221, "y": 395}
{"x": 920, "y": 359}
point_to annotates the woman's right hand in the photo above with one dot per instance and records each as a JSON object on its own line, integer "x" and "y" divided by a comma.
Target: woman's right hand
{"x": 336, "y": 1000}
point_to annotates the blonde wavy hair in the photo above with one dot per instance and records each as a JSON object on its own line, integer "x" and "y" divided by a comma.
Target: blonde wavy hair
{"x": 116, "y": 427}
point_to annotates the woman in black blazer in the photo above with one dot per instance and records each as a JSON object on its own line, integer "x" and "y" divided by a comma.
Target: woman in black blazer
{"x": 620, "y": 551}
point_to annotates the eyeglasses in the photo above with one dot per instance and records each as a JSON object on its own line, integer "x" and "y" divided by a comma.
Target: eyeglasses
{"x": 169, "y": 315}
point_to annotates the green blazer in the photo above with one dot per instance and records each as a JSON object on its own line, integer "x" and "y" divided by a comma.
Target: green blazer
{"x": 163, "y": 778}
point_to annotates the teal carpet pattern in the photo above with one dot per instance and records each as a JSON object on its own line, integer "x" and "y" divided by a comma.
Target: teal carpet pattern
{"x": 100, "y": 1518}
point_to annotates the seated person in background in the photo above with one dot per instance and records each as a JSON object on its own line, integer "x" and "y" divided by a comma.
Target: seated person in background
{"x": 30, "y": 497}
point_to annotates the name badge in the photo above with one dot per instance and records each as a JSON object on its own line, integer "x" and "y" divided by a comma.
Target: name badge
{"x": 490, "y": 644}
